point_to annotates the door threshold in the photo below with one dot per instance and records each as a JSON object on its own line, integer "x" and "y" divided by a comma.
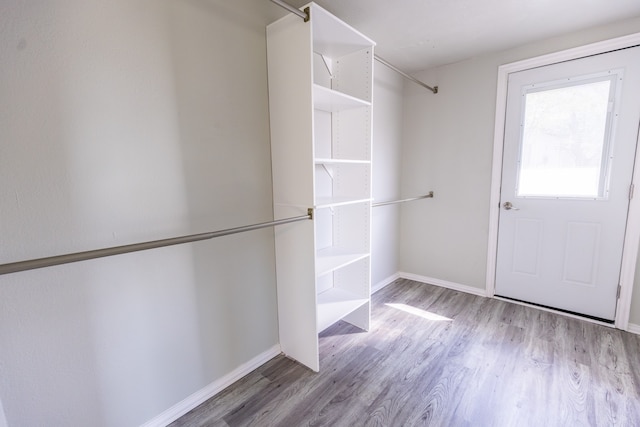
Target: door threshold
{"x": 567, "y": 313}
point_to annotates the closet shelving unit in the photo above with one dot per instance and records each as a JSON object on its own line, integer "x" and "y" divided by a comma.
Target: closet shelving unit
{"x": 320, "y": 94}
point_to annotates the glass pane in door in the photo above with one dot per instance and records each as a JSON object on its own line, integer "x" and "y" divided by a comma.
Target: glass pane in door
{"x": 565, "y": 139}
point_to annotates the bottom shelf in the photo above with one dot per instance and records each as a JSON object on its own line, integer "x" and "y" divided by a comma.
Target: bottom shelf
{"x": 336, "y": 303}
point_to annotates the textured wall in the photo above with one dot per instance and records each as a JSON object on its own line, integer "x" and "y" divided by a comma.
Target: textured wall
{"x": 120, "y": 122}
{"x": 387, "y": 146}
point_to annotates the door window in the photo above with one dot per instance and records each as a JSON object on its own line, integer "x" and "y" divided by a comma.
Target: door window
{"x": 565, "y": 137}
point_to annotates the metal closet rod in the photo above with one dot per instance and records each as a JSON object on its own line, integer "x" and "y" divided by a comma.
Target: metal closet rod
{"x": 305, "y": 15}
{"x": 32, "y": 264}
{"x": 405, "y": 75}
{"x": 394, "y": 202}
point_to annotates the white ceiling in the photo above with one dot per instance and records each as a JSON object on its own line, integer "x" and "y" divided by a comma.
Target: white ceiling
{"x": 418, "y": 34}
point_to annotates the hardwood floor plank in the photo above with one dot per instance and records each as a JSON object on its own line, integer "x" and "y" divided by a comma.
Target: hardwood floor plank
{"x": 277, "y": 391}
{"x": 438, "y": 357}
{"x": 312, "y": 407}
{"x": 211, "y": 412}
{"x": 436, "y": 407}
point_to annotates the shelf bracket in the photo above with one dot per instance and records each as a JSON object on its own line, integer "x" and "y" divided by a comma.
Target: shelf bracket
{"x": 327, "y": 171}
{"x": 326, "y": 64}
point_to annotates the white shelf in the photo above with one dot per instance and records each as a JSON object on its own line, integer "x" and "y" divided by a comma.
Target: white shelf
{"x": 333, "y": 258}
{"x": 336, "y": 303}
{"x": 341, "y": 162}
{"x": 333, "y": 37}
{"x": 326, "y": 116}
{"x": 331, "y": 202}
{"x": 325, "y": 99}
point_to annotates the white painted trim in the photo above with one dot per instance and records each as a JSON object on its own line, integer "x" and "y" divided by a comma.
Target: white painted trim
{"x": 389, "y": 280}
{"x": 574, "y": 53}
{"x": 633, "y": 328}
{"x": 202, "y": 395}
{"x": 496, "y": 181}
{"x": 632, "y": 236}
{"x": 630, "y": 249}
{"x": 444, "y": 284}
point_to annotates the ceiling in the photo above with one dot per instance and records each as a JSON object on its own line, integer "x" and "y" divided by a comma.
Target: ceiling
{"x": 418, "y": 34}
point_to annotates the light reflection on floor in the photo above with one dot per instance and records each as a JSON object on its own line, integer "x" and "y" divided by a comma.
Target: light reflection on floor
{"x": 419, "y": 312}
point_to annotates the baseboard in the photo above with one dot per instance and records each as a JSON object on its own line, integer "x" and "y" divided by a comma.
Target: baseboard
{"x": 389, "y": 280}
{"x": 633, "y": 328}
{"x": 445, "y": 284}
{"x": 202, "y": 395}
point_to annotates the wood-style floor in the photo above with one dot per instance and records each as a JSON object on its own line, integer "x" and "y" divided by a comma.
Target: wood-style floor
{"x": 439, "y": 357}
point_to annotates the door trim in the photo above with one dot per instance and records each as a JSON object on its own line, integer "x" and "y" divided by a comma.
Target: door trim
{"x": 632, "y": 233}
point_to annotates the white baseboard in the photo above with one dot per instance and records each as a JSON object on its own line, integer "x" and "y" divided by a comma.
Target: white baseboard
{"x": 202, "y": 395}
{"x": 389, "y": 280}
{"x": 633, "y": 328}
{"x": 445, "y": 284}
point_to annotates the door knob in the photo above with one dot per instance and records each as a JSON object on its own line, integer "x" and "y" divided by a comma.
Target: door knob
{"x": 509, "y": 206}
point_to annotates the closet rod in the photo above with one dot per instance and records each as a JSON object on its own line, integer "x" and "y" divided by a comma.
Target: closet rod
{"x": 393, "y": 202}
{"x": 305, "y": 15}
{"x": 32, "y": 264}
{"x": 405, "y": 75}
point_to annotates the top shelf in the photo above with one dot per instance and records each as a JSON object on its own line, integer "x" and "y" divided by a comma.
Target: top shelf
{"x": 333, "y": 37}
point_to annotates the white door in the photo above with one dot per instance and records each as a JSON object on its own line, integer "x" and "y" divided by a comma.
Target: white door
{"x": 570, "y": 135}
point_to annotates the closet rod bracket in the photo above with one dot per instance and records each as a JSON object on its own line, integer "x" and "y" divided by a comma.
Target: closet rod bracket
{"x": 306, "y": 15}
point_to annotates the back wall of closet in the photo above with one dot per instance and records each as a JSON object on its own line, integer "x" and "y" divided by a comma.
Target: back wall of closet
{"x": 448, "y": 143}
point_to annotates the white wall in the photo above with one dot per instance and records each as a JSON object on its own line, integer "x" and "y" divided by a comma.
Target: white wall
{"x": 120, "y": 122}
{"x": 448, "y": 146}
{"x": 444, "y": 151}
{"x": 3, "y": 420}
{"x": 387, "y": 146}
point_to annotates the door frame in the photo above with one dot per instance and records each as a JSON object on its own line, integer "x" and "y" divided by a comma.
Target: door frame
{"x": 632, "y": 233}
